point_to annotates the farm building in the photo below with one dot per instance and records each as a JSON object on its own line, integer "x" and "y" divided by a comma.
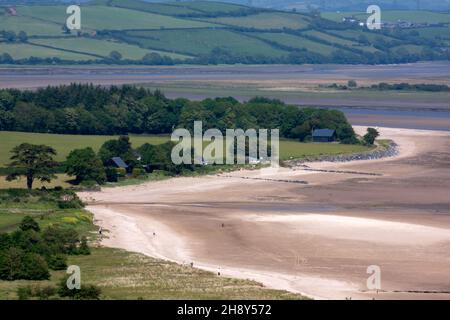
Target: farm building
{"x": 118, "y": 163}
{"x": 323, "y": 135}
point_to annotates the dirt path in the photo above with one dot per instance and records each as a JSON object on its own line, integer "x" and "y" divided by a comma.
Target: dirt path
{"x": 317, "y": 239}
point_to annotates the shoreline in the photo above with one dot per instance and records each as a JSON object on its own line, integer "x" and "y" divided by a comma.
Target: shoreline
{"x": 163, "y": 206}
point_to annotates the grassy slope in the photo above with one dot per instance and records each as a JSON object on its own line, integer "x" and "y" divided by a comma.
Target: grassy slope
{"x": 30, "y": 26}
{"x": 102, "y": 47}
{"x": 269, "y": 20}
{"x": 22, "y": 50}
{"x": 202, "y": 41}
{"x": 101, "y": 17}
{"x": 292, "y": 41}
{"x": 125, "y": 275}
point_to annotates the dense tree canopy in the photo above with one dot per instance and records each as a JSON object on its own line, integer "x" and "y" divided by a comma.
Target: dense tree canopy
{"x": 85, "y": 166}
{"x": 88, "y": 109}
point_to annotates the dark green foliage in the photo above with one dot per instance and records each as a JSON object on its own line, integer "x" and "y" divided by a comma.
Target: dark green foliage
{"x": 28, "y": 223}
{"x": 117, "y": 148}
{"x": 128, "y": 109}
{"x": 86, "y": 292}
{"x": 33, "y": 162}
{"x": 29, "y": 253}
{"x": 57, "y": 262}
{"x": 16, "y": 264}
{"x": 111, "y": 174}
{"x": 85, "y": 166}
{"x": 36, "y": 292}
{"x": 370, "y": 136}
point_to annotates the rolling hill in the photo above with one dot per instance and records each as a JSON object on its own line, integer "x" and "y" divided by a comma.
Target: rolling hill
{"x": 206, "y": 32}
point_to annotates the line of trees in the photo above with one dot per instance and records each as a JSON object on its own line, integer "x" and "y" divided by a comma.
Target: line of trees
{"x": 88, "y": 109}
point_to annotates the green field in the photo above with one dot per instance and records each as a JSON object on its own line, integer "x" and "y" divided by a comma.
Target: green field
{"x": 203, "y": 41}
{"x": 211, "y": 7}
{"x": 102, "y": 47}
{"x": 292, "y": 41}
{"x": 101, "y": 17}
{"x": 30, "y": 26}
{"x": 63, "y": 144}
{"x": 354, "y": 35}
{"x": 264, "y": 21}
{"x": 338, "y": 41}
{"x": 23, "y": 50}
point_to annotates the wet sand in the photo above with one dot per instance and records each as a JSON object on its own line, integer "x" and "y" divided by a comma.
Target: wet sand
{"x": 316, "y": 239}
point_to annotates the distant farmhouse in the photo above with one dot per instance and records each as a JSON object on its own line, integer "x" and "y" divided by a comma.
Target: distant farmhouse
{"x": 323, "y": 135}
{"x": 11, "y": 11}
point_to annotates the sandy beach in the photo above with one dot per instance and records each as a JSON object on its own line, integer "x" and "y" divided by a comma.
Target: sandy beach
{"x": 317, "y": 239}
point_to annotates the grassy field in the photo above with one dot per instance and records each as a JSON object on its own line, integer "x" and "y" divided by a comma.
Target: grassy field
{"x": 102, "y": 47}
{"x": 23, "y": 50}
{"x": 30, "y": 26}
{"x": 102, "y": 17}
{"x": 121, "y": 274}
{"x": 63, "y": 144}
{"x": 264, "y": 21}
{"x": 339, "y": 41}
{"x": 202, "y": 41}
{"x": 292, "y": 41}
{"x": 60, "y": 181}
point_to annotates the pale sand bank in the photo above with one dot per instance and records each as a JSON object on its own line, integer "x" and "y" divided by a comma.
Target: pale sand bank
{"x": 265, "y": 230}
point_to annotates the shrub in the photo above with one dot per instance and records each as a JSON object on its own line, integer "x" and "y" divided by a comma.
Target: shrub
{"x": 57, "y": 262}
{"x": 84, "y": 248}
{"x": 24, "y": 293}
{"x": 86, "y": 292}
{"x": 111, "y": 174}
{"x": 70, "y": 204}
{"x": 138, "y": 172}
{"x": 28, "y": 223}
{"x": 121, "y": 172}
{"x": 15, "y": 264}
{"x": 42, "y": 293}
{"x": 34, "y": 267}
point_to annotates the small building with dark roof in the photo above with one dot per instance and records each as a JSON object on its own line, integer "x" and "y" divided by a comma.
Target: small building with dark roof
{"x": 118, "y": 163}
{"x": 323, "y": 135}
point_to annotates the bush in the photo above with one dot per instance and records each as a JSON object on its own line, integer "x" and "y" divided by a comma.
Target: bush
{"x": 24, "y": 293}
{"x": 86, "y": 292}
{"x": 138, "y": 172}
{"x": 28, "y": 223}
{"x": 42, "y": 293}
{"x": 34, "y": 267}
{"x": 15, "y": 264}
{"x": 111, "y": 174}
{"x": 57, "y": 262}
{"x": 84, "y": 248}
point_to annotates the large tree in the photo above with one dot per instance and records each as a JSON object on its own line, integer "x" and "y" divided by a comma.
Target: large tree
{"x": 370, "y": 136}
{"x": 33, "y": 162}
{"x": 85, "y": 165}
